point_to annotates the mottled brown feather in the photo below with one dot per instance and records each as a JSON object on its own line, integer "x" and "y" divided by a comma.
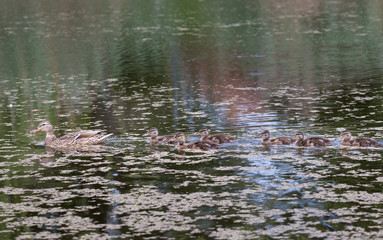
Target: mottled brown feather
{"x": 218, "y": 138}
{"x": 310, "y": 141}
{"x": 154, "y": 138}
{"x": 349, "y": 140}
{"x": 200, "y": 145}
{"x": 71, "y": 140}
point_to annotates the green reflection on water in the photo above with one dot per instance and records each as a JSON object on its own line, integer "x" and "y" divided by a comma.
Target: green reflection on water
{"x": 126, "y": 66}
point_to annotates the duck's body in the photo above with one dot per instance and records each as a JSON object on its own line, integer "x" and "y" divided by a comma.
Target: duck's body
{"x": 265, "y": 135}
{"x": 154, "y": 138}
{"x": 349, "y": 140}
{"x": 71, "y": 140}
{"x": 301, "y": 141}
{"x": 199, "y": 145}
{"x": 217, "y": 139}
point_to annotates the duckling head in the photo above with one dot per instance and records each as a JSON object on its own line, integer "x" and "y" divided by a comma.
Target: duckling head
{"x": 298, "y": 136}
{"x": 345, "y": 135}
{"x": 179, "y": 137}
{"x": 265, "y": 134}
{"x": 203, "y": 132}
{"x": 153, "y": 132}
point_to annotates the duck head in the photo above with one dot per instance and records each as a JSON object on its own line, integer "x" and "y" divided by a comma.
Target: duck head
{"x": 179, "y": 137}
{"x": 345, "y": 135}
{"x": 44, "y": 126}
{"x": 265, "y": 134}
{"x": 153, "y": 132}
{"x": 202, "y": 132}
{"x": 298, "y": 136}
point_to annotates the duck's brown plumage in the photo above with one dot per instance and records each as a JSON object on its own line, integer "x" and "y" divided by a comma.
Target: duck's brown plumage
{"x": 200, "y": 145}
{"x": 349, "y": 140}
{"x": 154, "y": 138}
{"x": 219, "y": 138}
{"x": 71, "y": 140}
{"x": 300, "y": 140}
{"x": 265, "y": 135}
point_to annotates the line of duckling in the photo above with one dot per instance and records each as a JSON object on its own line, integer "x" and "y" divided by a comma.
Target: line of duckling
{"x": 300, "y": 140}
{"x": 207, "y": 141}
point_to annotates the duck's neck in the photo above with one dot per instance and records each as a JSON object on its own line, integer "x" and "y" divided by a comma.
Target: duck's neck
{"x": 181, "y": 145}
{"x": 299, "y": 142}
{"x": 154, "y": 139}
{"x": 266, "y": 140}
{"x": 347, "y": 140}
{"x": 204, "y": 138}
{"x": 49, "y": 138}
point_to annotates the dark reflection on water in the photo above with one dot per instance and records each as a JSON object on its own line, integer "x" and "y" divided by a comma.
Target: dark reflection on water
{"x": 234, "y": 67}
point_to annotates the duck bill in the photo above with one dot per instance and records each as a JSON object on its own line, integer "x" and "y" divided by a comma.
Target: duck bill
{"x": 146, "y": 134}
{"x": 197, "y": 134}
{"x": 35, "y": 130}
{"x": 173, "y": 140}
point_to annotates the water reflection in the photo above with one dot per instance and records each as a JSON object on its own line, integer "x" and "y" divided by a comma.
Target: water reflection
{"x": 236, "y": 68}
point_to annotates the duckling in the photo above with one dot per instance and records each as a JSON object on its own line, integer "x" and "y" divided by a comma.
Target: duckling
{"x": 220, "y": 138}
{"x": 349, "y": 140}
{"x": 300, "y": 140}
{"x": 73, "y": 140}
{"x": 153, "y": 133}
{"x": 200, "y": 145}
{"x": 275, "y": 141}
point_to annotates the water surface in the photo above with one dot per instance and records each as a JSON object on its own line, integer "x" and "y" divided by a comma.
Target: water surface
{"x": 234, "y": 67}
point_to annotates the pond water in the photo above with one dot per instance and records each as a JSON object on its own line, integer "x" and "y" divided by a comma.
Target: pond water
{"x": 236, "y": 67}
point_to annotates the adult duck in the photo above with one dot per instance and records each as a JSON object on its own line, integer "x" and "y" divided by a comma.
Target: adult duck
{"x": 71, "y": 140}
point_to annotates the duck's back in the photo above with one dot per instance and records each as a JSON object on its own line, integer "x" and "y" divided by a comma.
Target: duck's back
{"x": 364, "y": 142}
{"x": 81, "y": 138}
{"x": 280, "y": 141}
{"x": 316, "y": 142}
{"x": 221, "y": 138}
{"x": 166, "y": 139}
{"x": 202, "y": 145}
